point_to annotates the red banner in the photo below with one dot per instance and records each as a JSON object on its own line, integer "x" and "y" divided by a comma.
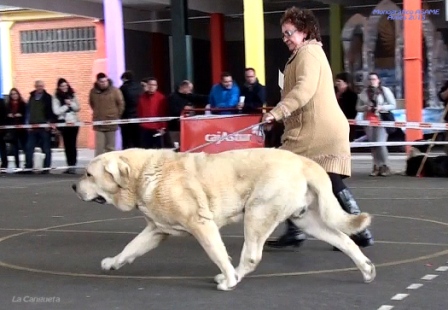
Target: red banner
{"x": 199, "y": 130}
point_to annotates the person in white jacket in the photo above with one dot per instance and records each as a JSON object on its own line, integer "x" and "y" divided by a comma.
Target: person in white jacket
{"x": 66, "y": 107}
{"x": 376, "y": 101}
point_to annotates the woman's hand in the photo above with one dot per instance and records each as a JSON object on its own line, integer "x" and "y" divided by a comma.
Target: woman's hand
{"x": 268, "y": 118}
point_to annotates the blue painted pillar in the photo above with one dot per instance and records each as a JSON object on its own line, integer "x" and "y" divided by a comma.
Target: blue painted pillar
{"x": 113, "y": 24}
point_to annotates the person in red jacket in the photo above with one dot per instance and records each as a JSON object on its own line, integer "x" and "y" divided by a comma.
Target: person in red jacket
{"x": 152, "y": 103}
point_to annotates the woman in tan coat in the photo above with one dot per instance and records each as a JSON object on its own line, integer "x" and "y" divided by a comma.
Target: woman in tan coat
{"x": 315, "y": 126}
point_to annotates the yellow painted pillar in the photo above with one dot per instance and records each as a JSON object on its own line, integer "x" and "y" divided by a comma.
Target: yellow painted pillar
{"x": 254, "y": 37}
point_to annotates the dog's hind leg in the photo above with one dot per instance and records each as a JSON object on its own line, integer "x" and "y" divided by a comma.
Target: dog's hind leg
{"x": 208, "y": 235}
{"x": 257, "y": 229}
{"x": 144, "y": 242}
{"x": 312, "y": 224}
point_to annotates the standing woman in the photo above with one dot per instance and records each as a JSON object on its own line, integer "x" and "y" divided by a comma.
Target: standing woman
{"x": 374, "y": 101}
{"x": 16, "y": 110}
{"x": 315, "y": 126}
{"x": 66, "y": 107}
{"x": 347, "y": 98}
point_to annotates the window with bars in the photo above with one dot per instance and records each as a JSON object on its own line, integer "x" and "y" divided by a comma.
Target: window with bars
{"x": 58, "y": 40}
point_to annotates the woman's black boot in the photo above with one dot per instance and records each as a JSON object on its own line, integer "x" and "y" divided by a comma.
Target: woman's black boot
{"x": 348, "y": 203}
{"x": 293, "y": 236}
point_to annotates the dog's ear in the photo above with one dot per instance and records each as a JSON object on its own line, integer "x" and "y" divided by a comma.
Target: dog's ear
{"x": 120, "y": 170}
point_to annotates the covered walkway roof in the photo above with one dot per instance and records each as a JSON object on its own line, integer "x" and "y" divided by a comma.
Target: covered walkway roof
{"x": 135, "y": 11}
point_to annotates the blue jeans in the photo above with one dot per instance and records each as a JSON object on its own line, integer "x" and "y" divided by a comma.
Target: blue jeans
{"x": 41, "y": 137}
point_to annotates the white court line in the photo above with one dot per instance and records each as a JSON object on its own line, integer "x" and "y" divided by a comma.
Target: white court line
{"x": 442, "y": 268}
{"x": 414, "y": 286}
{"x": 429, "y": 277}
{"x": 399, "y": 296}
{"x": 385, "y": 307}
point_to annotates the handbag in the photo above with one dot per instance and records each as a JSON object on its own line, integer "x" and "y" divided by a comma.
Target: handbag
{"x": 388, "y": 117}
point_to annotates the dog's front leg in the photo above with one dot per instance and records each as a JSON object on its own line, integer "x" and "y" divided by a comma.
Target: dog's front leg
{"x": 144, "y": 242}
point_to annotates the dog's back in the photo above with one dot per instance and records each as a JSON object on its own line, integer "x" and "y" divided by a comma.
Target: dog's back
{"x": 434, "y": 166}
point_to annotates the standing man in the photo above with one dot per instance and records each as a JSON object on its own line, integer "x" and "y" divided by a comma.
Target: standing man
{"x": 253, "y": 92}
{"x": 131, "y": 90}
{"x": 224, "y": 95}
{"x": 182, "y": 98}
{"x": 107, "y": 103}
{"x": 39, "y": 111}
{"x": 152, "y": 103}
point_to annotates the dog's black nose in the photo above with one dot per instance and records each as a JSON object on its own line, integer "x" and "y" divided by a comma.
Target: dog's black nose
{"x": 74, "y": 187}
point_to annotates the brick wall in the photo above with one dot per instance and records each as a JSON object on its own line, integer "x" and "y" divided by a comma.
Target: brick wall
{"x": 76, "y": 67}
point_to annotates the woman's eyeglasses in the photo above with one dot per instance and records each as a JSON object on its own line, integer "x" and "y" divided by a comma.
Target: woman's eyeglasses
{"x": 288, "y": 33}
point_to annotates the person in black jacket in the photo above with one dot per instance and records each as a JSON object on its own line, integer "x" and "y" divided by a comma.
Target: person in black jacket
{"x": 253, "y": 92}
{"x": 131, "y": 90}
{"x": 3, "y": 151}
{"x": 347, "y": 98}
{"x": 182, "y": 98}
{"x": 39, "y": 111}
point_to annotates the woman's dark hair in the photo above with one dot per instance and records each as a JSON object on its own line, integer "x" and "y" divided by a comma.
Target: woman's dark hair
{"x": 346, "y": 77}
{"x": 59, "y": 94}
{"x": 18, "y": 93}
{"x": 304, "y": 21}
{"x": 380, "y": 89}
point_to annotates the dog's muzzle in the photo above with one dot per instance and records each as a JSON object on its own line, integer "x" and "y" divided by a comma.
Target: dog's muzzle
{"x": 98, "y": 199}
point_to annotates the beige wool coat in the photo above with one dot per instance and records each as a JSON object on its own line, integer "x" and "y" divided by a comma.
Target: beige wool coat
{"x": 315, "y": 126}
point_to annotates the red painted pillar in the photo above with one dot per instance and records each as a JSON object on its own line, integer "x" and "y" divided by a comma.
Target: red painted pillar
{"x": 158, "y": 50}
{"x": 217, "y": 42}
{"x": 413, "y": 71}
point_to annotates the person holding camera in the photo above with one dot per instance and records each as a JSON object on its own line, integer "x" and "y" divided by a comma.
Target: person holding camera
{"x": 376, "y": 101}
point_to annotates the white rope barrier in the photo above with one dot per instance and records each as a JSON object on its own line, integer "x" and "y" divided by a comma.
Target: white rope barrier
{"x": 410, "y": 125}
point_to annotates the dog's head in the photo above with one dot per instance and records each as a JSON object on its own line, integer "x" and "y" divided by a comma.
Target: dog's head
{"x": 108, "y": 179}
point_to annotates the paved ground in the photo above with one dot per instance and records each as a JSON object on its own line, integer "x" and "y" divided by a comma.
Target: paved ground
{"x": 51, "y": 245}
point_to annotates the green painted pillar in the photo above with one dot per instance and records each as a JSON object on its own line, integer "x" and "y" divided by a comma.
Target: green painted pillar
{"x": 336, "y": 58}
{"x": 180, "y": 44}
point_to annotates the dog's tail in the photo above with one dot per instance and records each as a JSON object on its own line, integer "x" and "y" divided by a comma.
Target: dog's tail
{"x": 330, "y": 210}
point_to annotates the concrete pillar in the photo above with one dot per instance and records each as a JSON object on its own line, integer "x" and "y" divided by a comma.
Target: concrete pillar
{"x": 180, "y": 44}
{"x": 254, "y": 37}
{"x": 113, "y": 21}
{"x": 217, "y": 43}
{"x": 336, "y": 38}
{"x": 413, "y": 68}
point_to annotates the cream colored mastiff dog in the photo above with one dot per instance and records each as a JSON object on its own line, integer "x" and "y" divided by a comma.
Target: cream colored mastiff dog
{"x": 198, "y": 193}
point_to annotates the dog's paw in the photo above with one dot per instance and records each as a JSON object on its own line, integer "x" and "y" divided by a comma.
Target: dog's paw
{"x": 219, "y": 278}
{"x": 224, "y": 286}
{"x": 108, "y": 264}
{"x": 370, "y": 273}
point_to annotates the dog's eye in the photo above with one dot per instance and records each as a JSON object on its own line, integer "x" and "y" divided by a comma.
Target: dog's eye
{"x": 88, "y": 175}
